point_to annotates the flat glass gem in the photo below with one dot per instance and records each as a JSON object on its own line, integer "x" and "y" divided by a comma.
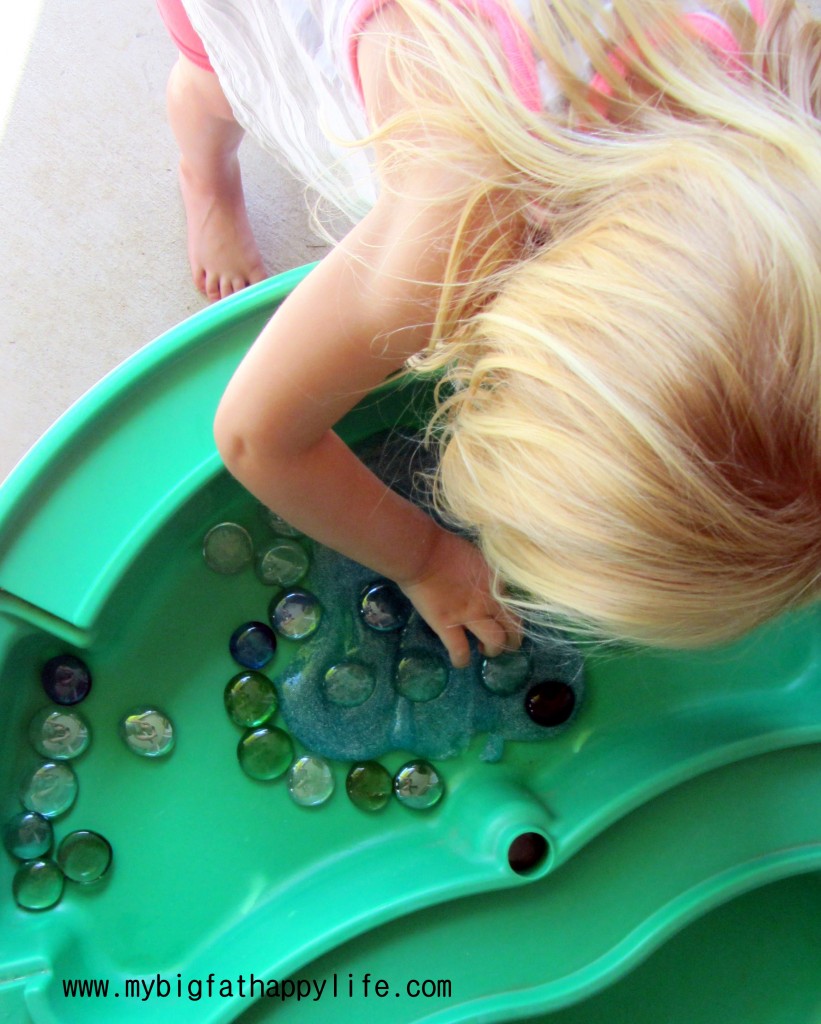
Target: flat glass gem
{"x": 66, "y": 679}
{"x": 250, "y": 699}
{"x": 418, "y": 785}
{"x": 550, "y": 703}
{"x": 279, "y": 526}
{"x": 38, "y": 885}
{"x": 253, "y": 644}
{"x": 28, "y": 835}
{"x": 369, "y": 786}
{"x": 282, "y": 563}
{"x": 59, "y": 734}
{"x": 50, "y": 789}
{"x": 349, "y": 684}
{"x": 227, "y": 548}
{"x": 296, "y": 615}
{"x": 421, "y": 677}
{"x": 384, "y": 607}
{"x": 148, "y": 732}
{"x": 84, "y": 857}
{"x": 265, "y": 753}
{"x": 310, "y": 781}
{"x": 506, "y": 673}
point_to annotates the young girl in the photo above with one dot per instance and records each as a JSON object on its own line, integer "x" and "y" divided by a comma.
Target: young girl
{"x": 602, "y": 224}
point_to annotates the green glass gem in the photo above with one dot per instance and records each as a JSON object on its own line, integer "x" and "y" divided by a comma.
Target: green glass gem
{"x": 28, "y": 835}
{"x": 282, "y": 563}
{"x": 265, "y": 753}
{"x": 84, "y": 856}
{"x": 59, "y": 733}
{"x": 421, "y": 677}
{"x": 38, "y": 885}
{"x": 310, "y": 781}
{"x": 227, "y": 548}
{"x": 418, "y": 785}
{"x": 369, "y": 786}
{"x": 250, "y": 699}
{"x": 507, "y": 673}
{"x": 50, "y": 789}
{"x": 148, "y": 732}
{"x": 349, "y": 684}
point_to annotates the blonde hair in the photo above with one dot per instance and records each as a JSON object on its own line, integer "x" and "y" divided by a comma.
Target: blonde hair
{"x": 630, "y": 412}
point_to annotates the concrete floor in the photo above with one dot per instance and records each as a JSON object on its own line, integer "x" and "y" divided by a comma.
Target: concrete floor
{"x": 92, "y": 240}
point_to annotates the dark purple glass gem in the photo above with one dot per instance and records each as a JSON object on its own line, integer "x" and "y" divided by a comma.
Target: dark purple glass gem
{"x": 384, "y": 607}
{"x": 253, "y": 644}
{"x": 550, "y": 703}
{"x": 66, "y": 679}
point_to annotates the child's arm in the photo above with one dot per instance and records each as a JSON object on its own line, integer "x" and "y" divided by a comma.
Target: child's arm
{"x": 355, "y": 319}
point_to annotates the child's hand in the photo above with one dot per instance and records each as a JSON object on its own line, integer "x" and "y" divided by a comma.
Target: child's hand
{"x": 454, "y": 595}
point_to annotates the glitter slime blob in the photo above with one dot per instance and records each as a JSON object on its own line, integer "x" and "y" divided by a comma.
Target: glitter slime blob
{"x": 250, "y": 699}
{"x": 148, "y": 732}
{"x": 66, "y": 679}
{"x": 227, "y": 548}
{"x": 310, "y": 781}
{"x": 38, "y": 885}
{"x": 84, "y": 856}
{"x": 59, "y": 734}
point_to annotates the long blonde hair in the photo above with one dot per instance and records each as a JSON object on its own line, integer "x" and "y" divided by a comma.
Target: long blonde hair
{"x": 630, "y": 411}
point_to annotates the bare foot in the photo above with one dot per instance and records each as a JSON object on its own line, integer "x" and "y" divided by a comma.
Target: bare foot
{"x": 221, "y": 247}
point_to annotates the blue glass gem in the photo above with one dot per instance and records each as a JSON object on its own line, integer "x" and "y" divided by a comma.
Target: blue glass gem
{"x": 28, "y": 835}
{"x": 296, "y": 615}
{"x": 506, "y": 673}
{"x": 252, "y": 645}
{"x": 384, "y": 607}
{"x": 282, "y": 563}
{"x": 310, "y": 781}
{"x": 50, "y": 789}
{"x": 59, "y": 734}
{"x": 550, "y": 703}
{"x": 421, "y": 677}
{"x": 148, "y": 732}
{"x": 66, "y": 679}
{"x": 418, "y": 785}
{"x": 38, "y": 885}
{"x": 227, "y": 548}
{"x": 349, "y": 684}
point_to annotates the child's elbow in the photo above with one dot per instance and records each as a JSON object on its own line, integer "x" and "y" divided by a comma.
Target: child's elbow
{"x": 233, "y": 440}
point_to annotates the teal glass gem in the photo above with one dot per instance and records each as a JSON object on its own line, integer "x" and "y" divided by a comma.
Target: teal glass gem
{"x": 265, "y": 753}
{"x": 50, "y": 789}
{"x": 84, "y": 856}
{"x": 310, "y": 781}
{"x": 349, "y": 684}
{"x": 227, "y": 548}
{"x": 507, "y": 673}
{"x": 252, "y": 645}
{"x": 421, "y": 677}
{"x": 28, "y": 835}
{"x": 148, "y": 732}
{"x": 418, "y": 785}
{"x": 250, "y": 699}
{"x": 279, "y": 526}
{"x": 384, "y": 607}
{"x": 296, "y": 615}
{"x": 59, "y": 734}
{"x": 66, "y": 679}
{"x": 282, "y": 563}
{"x": 38, "y": 885}
{"x": 369, "y": 786}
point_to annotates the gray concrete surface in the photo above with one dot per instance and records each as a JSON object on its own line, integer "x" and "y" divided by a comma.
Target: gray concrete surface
{"x": 92, "y": 244}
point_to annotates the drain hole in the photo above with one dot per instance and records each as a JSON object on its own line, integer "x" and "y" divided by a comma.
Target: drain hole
{"x": 527, "y": 852}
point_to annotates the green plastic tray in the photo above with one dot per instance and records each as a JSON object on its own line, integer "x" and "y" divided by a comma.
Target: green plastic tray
{"x": 682, "y": 806}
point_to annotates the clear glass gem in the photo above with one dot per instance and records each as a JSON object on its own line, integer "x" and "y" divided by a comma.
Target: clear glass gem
{"x": 66, "y": 679}
{"x": 369, "y": 786}
{"x": 279, "y": 526}
{"x": 253, "y": 645}
{"x": 384, "y": 607}
{"x": 59, "y": 734}
{"x": 28, "y": 835}
{"x": 50, "y": 789}
{"x": 418, "y": 785}
{"x": 296, "y": 615}
{"x": 282, "y": 563}
{"x": 507, "y": 673}
{"x": 265, "y": 753}
{"x": 310, "y": 781}
{"x": 84, "y": 856}
{"x": 38, "y": 885}
{"x": 227, "y": 548}
{"x": 421, "y": 677}
{"x": 147, "y": 731}
{"x": 349, "y": 684}
{"x": 250, "y": 699}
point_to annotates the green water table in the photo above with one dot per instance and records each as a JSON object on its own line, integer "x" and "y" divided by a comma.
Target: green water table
{"x": 672, "y": 832}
